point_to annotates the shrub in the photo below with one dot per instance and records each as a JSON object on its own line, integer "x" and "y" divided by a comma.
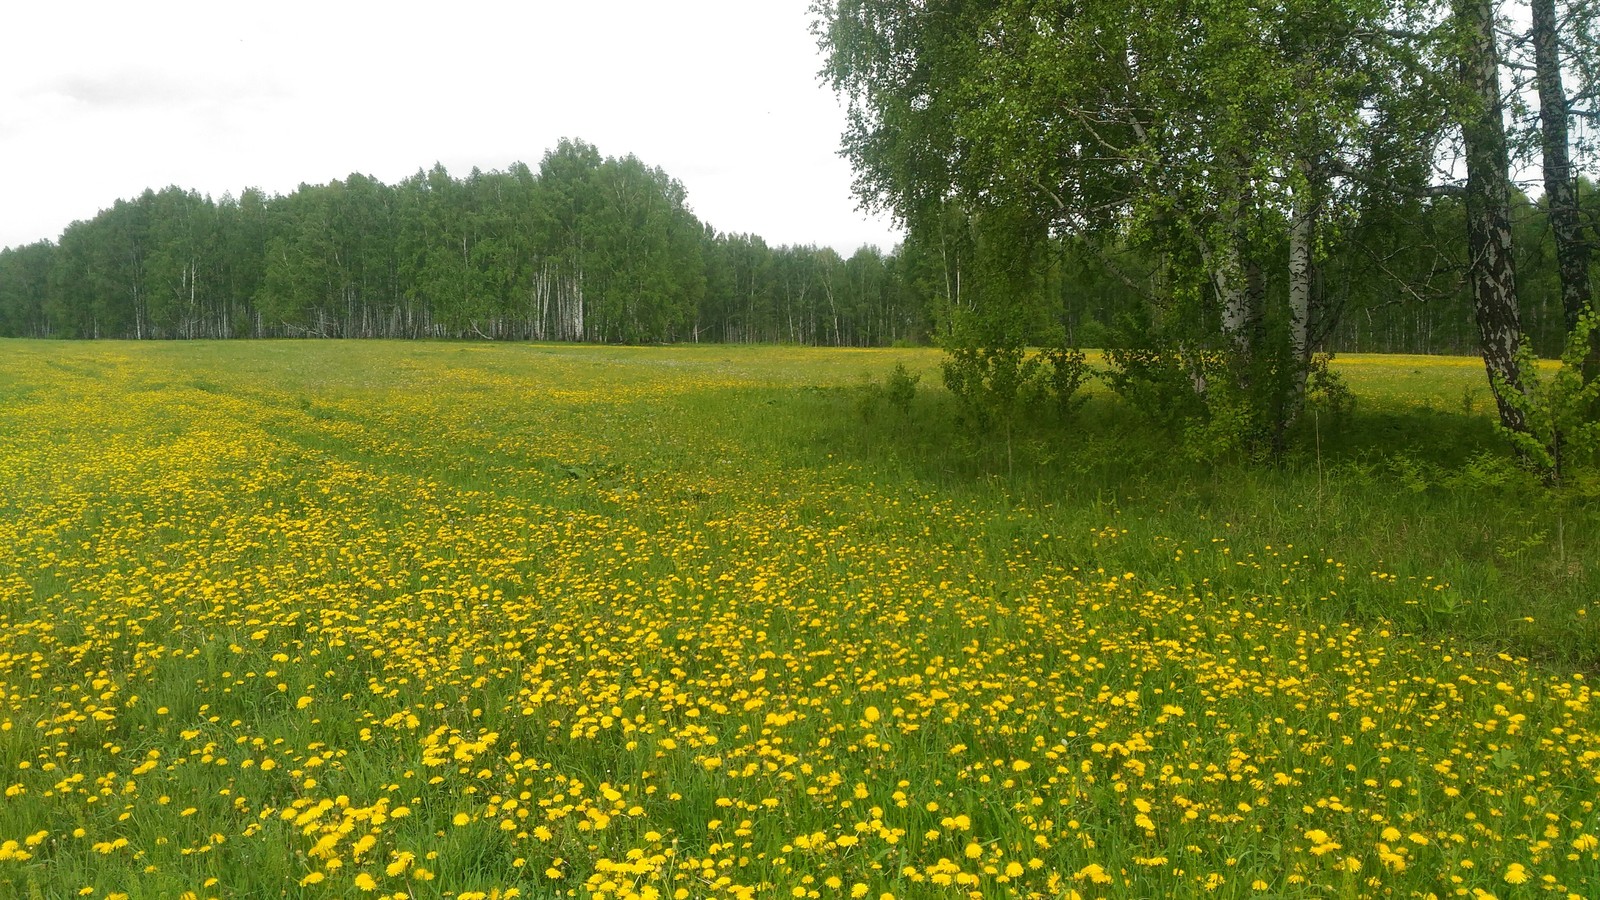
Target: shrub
{"x": 1563, "y": 432}
{"x": 900, "y": 388}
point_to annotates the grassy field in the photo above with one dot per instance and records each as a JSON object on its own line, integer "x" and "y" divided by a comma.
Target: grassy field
{"x": 440, "y": 620}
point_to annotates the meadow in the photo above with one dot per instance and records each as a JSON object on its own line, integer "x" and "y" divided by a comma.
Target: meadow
{"x": 472, "y": 621}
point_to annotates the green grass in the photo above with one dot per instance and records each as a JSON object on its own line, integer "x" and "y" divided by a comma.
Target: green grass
{"x": 721, "y": 621}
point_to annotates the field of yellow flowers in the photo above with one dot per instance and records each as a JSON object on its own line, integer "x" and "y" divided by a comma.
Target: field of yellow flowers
{"x": 467, "y": 621}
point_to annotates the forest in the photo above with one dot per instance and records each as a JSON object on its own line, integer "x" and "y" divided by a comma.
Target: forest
{"x": 583, "y": 248}
{"x": 586, "y": 248}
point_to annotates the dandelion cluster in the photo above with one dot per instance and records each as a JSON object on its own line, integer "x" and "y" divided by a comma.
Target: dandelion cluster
{"x": 518, "y": 624}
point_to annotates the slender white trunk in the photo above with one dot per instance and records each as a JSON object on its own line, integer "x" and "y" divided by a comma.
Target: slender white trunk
{"x": 1302, "y": 232}
{"x": 1488, "y": 204}
{"x": 1227, "y": 275}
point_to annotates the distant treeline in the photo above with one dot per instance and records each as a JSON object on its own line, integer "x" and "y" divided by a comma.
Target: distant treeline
{"x": 591, "y": 248}
{"x": 584, "y": 248}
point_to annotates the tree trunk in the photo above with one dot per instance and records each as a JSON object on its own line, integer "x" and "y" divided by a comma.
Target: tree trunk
{"x": 1560, "y": 188}
{"x": 1228, "y": 275}
{"x": 1241, "y": 291}
{"x": 1302, "y": 235}
{"x": 1488, "y": 201}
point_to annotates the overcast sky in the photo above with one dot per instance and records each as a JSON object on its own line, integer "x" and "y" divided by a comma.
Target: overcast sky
{"x": 99, "y": 101}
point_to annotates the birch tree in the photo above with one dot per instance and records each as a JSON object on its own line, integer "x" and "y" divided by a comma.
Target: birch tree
{"x": 1488, "y": 202}
{"x": 1204, "y": 138}
{"x": 1559, "y": 172}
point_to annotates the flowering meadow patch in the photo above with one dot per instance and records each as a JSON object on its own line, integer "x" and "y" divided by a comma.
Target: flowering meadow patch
{"x": 323, "y": 620}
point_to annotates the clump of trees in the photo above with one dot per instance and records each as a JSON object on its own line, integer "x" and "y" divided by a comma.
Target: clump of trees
{"x": 1251, "y": 184}
{"x": 583, "y": 248}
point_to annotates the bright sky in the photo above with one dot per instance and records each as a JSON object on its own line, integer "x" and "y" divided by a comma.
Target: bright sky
{"x": 100, "y": 100}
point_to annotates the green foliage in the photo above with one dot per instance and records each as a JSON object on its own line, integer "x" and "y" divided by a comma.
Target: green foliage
{"x": 1232, "y": 427}
{"x": 990, "y": 370}
{"x": 583, "y": 248}
{"x": 995, "y": 386}
{"x": 1215, "y": 147}
{"x": 1067, "y": 371}
{"x": 1328, "y": 395}
{"x": 1158, "y": 383}
{"x": 1563, "y": 430}
{"x": 989, "y": 383}
{"x": 900, "y": 388}
{"x": 1173, "y": 377}
{"x": 1226, "y": 405}
{"x": 897, "y": 391}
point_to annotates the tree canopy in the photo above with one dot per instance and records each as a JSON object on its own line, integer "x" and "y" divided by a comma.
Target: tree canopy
{"x": 1222, "y": 162}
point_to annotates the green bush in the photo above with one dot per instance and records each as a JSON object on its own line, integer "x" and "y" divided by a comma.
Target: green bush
{"x": 900, "y": 388}
{"x": 1563, "y": 433}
